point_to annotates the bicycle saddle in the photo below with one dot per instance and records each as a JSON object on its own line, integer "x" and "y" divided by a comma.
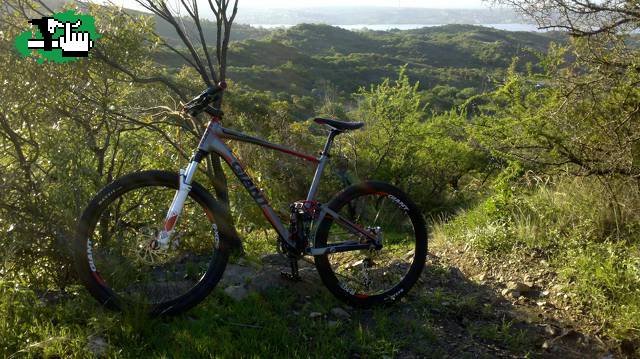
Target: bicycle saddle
{"x": 339, "y": 125}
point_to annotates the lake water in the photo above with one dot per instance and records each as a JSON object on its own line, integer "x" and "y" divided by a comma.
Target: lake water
{"x": 386, "y": 27}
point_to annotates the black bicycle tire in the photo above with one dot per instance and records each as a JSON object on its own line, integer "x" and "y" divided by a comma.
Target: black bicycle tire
{"x": 111, "y": 192}
{"x": 402, "y": 288}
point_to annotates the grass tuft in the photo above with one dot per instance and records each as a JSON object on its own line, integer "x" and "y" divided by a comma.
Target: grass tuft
{"x": 588, "y": 231}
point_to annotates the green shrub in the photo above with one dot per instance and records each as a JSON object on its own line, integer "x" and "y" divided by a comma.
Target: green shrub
{"x": 605, "y": 278}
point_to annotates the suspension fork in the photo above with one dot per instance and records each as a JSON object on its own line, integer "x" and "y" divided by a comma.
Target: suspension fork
{"x": 186, "y": 177}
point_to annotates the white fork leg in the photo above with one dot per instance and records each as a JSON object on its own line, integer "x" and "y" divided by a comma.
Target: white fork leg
{"x": 175, "y": 209}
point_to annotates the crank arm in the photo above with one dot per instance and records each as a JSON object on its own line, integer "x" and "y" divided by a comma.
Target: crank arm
{"x": 341, "y": 247}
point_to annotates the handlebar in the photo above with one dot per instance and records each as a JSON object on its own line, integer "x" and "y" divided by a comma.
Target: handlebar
{"x": 201, "y": 102}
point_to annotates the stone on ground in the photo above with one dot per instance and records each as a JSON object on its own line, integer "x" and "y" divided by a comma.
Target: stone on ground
{"x": 340, "y": 313}
{"x": 237, "y": 292}
{"x": 97, "y": 345}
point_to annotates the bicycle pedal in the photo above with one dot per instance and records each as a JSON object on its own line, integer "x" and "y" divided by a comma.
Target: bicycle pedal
{"x": 294, "y": 275}
{"x": 290, "y": 277}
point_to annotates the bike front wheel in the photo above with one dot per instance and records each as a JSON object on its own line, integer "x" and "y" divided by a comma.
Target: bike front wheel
{"x": 364, "y": 278}
{"x": 118, "y": 261}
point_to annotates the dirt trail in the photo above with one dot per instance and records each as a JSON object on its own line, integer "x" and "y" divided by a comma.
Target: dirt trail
{"x": 448, "y": 314}
{"x": 523, "y": 293}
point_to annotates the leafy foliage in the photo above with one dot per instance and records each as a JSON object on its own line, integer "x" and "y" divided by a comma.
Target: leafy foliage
{"x": 61, "y": 139}
{"x": 430, "y": 157}
{"x": 578, "y": 115}
{"x": 301, "y": 60}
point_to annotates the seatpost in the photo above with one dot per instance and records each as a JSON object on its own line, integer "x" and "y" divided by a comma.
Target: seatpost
{"x": 324, "y": 157}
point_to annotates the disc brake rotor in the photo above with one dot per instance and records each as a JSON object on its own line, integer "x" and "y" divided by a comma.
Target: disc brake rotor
{"x": 148, "y": 252}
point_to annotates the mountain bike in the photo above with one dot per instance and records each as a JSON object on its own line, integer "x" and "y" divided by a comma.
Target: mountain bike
{"x": 369, "y": 242}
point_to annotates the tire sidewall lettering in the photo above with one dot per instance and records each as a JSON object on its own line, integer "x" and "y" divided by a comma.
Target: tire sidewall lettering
{"x": 92, "y": 265}
{"x": 392, "y": 297}
{"x": 397, "y": 201}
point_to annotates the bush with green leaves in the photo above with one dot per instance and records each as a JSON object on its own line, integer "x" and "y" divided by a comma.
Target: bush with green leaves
{"x": 431, "y": 157}
{"x": 66, "y": 131}
{"x": 581, "y": 117}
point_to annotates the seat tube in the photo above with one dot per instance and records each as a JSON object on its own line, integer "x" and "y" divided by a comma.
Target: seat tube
{"x": 324, "y": 157}
{"x": 313, "y": 190}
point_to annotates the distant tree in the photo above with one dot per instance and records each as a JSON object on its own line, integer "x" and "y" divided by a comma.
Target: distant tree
{"x": 581, "y": 17}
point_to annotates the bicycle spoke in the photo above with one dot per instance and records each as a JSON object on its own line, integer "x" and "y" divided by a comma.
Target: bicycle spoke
{"x": 376, "y": 271}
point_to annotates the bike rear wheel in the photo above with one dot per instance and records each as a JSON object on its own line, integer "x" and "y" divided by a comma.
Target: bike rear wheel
{"x": 364, "y": 278}
{"x": 117, "y": 262}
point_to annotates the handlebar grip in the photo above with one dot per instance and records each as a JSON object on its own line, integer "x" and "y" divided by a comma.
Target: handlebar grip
{"x": 214, "y": 90}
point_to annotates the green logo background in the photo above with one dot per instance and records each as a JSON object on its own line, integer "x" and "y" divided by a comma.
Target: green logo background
{"x": 55, "y": 55}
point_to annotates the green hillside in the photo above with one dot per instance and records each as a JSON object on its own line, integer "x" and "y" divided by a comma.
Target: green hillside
{"x": 451, "y": 62}
{"x": 303, "y": 60}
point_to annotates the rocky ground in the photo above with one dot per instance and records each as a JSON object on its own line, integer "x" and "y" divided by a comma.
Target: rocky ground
{"x": 531, "y": 294}
{"x": 461, "y": 308}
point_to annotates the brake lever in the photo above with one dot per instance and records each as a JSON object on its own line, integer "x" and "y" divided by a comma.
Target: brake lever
{"x": 190, "y": 108}
{"x": 201, "y": 102}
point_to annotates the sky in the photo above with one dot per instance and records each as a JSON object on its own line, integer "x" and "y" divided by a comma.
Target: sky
{"x": 441, "y": 4}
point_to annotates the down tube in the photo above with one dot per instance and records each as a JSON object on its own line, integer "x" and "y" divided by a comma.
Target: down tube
{"x": 220, "y": 148}
{"x": 257, "y": 196}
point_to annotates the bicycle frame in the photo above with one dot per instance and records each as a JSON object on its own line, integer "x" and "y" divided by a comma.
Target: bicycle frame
{"x": 212, "y": 141}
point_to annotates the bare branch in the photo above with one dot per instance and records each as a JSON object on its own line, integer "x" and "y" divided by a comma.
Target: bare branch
{"x": 161, "y": 9}
{"x": 196, "y": 19}
{"x": 140, "y": 79}
{"x": 582, "y": 18}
